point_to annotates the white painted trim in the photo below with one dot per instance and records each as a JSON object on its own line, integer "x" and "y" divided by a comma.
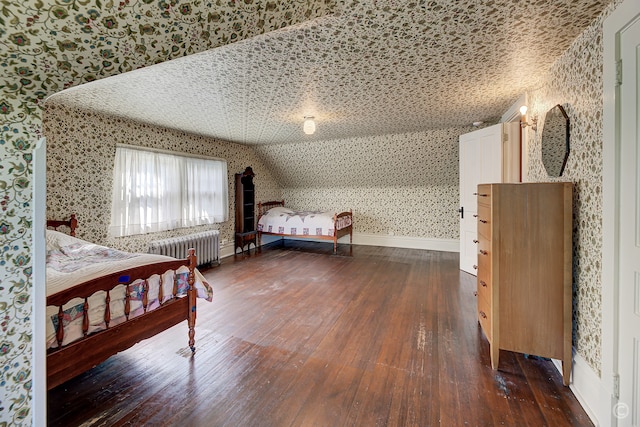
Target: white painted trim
{"x": 588, "y": 389}
{"x": 620, "y": 18}
{"x": 169, "y": 152}
{"x": 513, "y": 113}
{"x": 226, "y": 250}
{"x": 443, "y": 245}
{"x": 39, "y": 279}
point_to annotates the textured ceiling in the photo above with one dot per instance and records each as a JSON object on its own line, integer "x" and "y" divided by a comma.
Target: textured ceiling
{"x": 375, "y": 67}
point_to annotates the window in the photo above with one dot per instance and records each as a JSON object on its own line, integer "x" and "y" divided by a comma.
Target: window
{"x": 157, "y": 191}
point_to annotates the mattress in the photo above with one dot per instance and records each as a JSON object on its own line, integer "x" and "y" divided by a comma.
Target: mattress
{"x": 71, "y": 261}
{"x": 281, "y": 220}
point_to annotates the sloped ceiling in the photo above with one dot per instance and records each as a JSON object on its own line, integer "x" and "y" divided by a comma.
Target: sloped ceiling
{"x": 373, "y": 67}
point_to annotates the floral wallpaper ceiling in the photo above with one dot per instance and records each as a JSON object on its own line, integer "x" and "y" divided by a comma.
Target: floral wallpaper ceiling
{"x": 373, "y": 67}
{"x": 47, "y": 46}
{"x": 370, "y": 66}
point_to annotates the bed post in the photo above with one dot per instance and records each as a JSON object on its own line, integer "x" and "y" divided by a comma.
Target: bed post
{"x": 73, "y": 224}
{"x": 258, "y": 220}
{"x": 351, "y": 229}
{"x": 60, "y": 327}
{"x": 335, "y": 233}
{"x": 191, "y": 294}
{"x": 351, "y": 233}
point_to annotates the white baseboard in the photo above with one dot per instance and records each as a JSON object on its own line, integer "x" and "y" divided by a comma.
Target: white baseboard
{"x": 226, "y": 250}
{"x": 587, "y": 386}
{"x": 444, "y": 245}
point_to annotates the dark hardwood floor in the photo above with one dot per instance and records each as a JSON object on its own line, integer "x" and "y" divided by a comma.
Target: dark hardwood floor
{"x": 296, "y": 336}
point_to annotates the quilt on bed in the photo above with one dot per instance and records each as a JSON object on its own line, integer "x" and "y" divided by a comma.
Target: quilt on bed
{"x": 71, "y": 261}
{"x": 281, "y": 220}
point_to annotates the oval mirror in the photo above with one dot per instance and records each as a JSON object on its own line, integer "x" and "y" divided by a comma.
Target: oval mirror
{"x": 555, "y": 141}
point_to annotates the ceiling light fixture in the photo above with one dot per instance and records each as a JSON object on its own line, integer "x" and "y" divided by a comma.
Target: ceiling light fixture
{"x": 523, "y": 119}
{"x": 309, "y": 126}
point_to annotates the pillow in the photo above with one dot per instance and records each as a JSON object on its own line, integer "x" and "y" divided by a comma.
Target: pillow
{"x": 279, "y": 210}
{"x": 52, "y": 237}
{"x": 56, "y": 240}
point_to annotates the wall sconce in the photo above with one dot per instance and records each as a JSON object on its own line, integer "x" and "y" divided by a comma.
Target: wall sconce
{"x": 309, "y": 126}
{"x": 523, "y": 120}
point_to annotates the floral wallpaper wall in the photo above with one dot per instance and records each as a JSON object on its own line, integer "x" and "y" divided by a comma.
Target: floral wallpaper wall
{"x": 46, "y": 46}
{"x": 405, "y": 184}
{"x": 81, "y": 148}
{"x": 575, "y": 82}
{"x": 419, "y": 199}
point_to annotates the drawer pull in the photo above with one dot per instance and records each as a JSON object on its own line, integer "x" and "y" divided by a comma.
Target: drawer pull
{"x": 483, "y": 252}
{"x": 475, "y": 267}
{"x": 475, "y": 241}
{"x": 482, "y": 314}
{"x": 475, "y": 293}
{"x": 475, "y": 215}
{"x": 483, "y": 283}
{"x": 484, "y": 221}
{"x": 480, "y": 194}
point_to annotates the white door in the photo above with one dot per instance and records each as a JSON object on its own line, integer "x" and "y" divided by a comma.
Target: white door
{"x": 628, "y": 411}
{"x": 480, "y": 162}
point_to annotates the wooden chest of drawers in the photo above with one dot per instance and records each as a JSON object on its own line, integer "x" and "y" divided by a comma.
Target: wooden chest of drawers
{"x": 525, "y": 269}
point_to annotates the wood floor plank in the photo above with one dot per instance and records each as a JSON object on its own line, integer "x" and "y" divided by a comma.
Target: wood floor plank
{"x": 297, "y": 336}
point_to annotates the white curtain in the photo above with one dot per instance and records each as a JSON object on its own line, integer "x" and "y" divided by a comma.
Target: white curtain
{"x": 157, "y": 191}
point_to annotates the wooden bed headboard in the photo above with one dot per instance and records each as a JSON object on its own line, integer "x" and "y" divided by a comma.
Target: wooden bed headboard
{"x": 72, "y": 223}
{"x": 265, "y": 206}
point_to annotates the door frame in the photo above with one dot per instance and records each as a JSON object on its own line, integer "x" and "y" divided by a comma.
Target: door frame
{"x": 513, "y": 115}
{"x": 626, "y": 13}
{"x": 39, "y": 296}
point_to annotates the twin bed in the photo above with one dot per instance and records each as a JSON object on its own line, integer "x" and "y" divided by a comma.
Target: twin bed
{"x": 277, "y": 220}
{"x": 101, "y": 301}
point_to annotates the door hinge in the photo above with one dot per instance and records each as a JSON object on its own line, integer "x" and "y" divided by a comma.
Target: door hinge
{"x": 619, "y": 72}
{"x": 616, "y": 386}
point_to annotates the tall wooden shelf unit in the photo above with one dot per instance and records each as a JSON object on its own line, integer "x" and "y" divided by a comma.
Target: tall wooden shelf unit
{"x": 245, "y": 210}
{"x": 525, "y": 269}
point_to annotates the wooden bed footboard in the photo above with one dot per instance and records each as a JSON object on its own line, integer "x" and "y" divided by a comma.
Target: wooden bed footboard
{"x": 67, "y": 361}
{"x": 263, "y": 207}
{"x": 338, "y": 233}
{"x": 79, "y": 356}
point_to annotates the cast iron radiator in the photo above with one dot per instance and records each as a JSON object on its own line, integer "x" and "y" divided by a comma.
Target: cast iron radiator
{"x": 206, "y": 244}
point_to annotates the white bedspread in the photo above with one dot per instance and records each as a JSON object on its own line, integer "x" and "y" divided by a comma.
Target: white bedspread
{"x": 281, "y": 220}
{"x": 71, "y": 261}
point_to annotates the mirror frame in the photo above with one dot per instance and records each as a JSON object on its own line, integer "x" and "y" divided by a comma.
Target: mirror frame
{"x": 550, "y": 140}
